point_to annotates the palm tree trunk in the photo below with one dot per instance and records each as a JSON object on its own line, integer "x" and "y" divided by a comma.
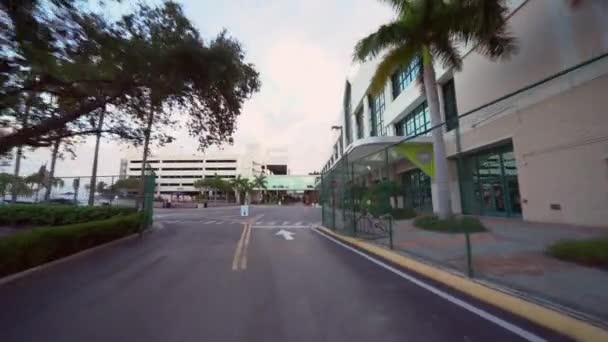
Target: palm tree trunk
{"x": 93, "y": 185}
{"x": 444, "y": 206}
{"x": 147, "y": 133}
{"x": 47, "y": 195}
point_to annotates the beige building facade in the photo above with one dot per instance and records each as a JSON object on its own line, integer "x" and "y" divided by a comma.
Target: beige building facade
{"x": 531, "y": 137}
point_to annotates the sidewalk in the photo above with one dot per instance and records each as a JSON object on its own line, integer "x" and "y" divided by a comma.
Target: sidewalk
{"x": 512, "y": 254}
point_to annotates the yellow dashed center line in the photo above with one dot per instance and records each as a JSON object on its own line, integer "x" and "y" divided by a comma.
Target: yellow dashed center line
{"x": 239, "y": 249}
{"x": 245, "y": 248}
{"x": 239, "y": 263}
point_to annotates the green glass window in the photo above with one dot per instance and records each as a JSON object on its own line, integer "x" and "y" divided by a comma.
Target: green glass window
{"x": 416, "y": 122}
{"x": 404, "y": 76}
{"x": 377, "y": 106}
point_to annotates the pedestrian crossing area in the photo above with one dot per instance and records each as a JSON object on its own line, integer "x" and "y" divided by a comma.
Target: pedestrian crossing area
{"x": 284, "y": 224}
{"x": 275, "y": 224}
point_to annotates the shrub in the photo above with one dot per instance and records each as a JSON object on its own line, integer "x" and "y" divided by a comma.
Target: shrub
{"x": 403, "y": 214}
{"x": 56, "y": 215}
{"x": 451, "y": 225}
{"x": 34, "y": 247}
{"x": 591, "y": 252}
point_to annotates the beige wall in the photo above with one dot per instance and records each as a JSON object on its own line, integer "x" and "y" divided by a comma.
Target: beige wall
{"x": 551, "y": 37}
{"x": 561, "y": 147}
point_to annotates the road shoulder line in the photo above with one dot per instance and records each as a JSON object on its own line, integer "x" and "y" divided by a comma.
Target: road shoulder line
{"x": 538, "y": 314}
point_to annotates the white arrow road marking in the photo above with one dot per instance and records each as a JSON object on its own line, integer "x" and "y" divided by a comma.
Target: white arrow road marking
{"x": 286, "y": 234}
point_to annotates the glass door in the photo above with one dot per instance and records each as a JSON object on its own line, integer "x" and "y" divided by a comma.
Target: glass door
{"x": 489, "y": 184}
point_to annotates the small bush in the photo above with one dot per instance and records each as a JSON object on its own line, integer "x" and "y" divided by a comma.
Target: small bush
{"x": 55, "y": 215}
{"x": 403, "y": 214}
{"x": 27, "y": 249}
{"x": 592, "y": 252}
{"x": 451, "y": 225}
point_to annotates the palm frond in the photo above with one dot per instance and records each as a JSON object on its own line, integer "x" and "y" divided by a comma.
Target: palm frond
{"x": 387, "y": 36}
{"x": 444, "y": 49}
{"x": 484, "y": 22}
{"x": 400, "y": 6}
{"x": 399, "y": 56}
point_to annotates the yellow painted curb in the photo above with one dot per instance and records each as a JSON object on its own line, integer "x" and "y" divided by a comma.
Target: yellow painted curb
{"x": 564, "y": 324}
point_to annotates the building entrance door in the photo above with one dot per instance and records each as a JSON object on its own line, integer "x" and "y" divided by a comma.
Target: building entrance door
{"x": 489, "y": 183}
{"x": 417, "y": 190}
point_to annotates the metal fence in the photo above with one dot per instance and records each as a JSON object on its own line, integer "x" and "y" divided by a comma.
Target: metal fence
{"x": 368, "y": 196}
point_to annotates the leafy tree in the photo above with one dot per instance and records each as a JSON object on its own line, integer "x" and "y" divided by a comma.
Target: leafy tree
{"x": 101, "y": 187}
{"x": 6, "y": 180}
{"x": 431, "y": 30}
{"x": 214, "y": 183}
{"x": 126, "y": 185}
{"x": 14, "y": 185}
{"x": 144, "y": 65}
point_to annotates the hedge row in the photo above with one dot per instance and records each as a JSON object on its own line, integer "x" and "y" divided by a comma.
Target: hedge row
{"x": 34, "y": 247}
{"x": 453, "y": 224}
{"x": 56, "y": 215}
{"x": 591, "y": 252}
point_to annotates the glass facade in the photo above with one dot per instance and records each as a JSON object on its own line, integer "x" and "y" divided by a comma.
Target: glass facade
{"x": 377, "y": 106}
{"x": 417, "y": 190}
{"x": 489, "y": 185}
{"x": 405, "y": 76}
{"x": 416, "y": 122}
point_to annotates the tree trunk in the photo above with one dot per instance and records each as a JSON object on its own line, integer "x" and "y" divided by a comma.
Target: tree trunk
{"x": 49, "y": 187}
{"x": 145, "y": 158}
{"x": 444, "y": 206}
{"x": 19, "y": 153}
{"x": 18, "y": 156}
{"x": 93, "y": 186}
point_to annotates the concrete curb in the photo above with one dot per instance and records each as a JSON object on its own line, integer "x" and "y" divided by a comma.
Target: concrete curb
{"x": 23, "y": 274}
{"x": 543, "y": 316}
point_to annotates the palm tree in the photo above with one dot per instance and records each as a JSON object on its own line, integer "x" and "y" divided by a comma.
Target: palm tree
{"x": 237, "y": 184}
{"x": 247, "y": 187}
{"x": 430, "y": 30}
{"x": 36, "y": 181}
{"x": 260, "y": 182}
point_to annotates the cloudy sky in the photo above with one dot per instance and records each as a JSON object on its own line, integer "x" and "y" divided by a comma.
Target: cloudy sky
{"x": 302, "y": 49}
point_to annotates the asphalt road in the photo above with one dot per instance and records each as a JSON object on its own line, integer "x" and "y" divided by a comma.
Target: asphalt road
{"x": 207, "y": 276}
